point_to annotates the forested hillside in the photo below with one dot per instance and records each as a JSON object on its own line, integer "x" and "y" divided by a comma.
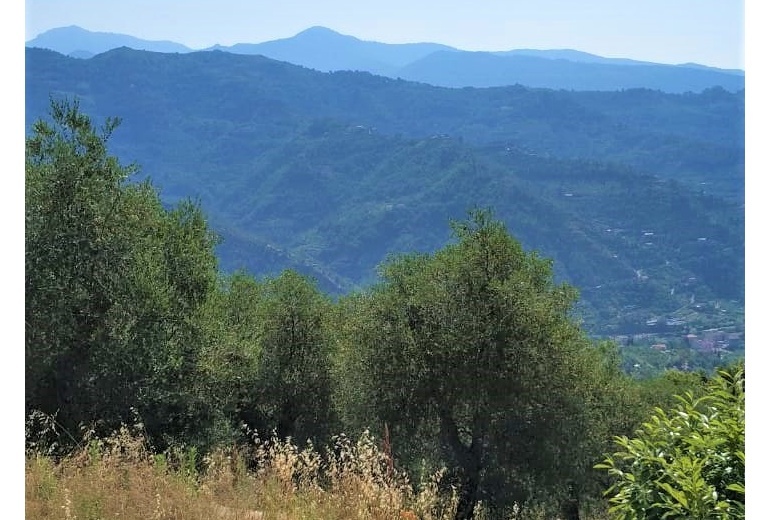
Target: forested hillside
{"x": 458, "y": 385}
{"x": 636, "y": 195}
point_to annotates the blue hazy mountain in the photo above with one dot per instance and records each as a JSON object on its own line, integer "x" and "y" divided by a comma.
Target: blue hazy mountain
{"x": 585, "y": 57}
{"x": 485, "y": 69}
{"x": 79, "y": 43}
{"x": 325, "y": 50}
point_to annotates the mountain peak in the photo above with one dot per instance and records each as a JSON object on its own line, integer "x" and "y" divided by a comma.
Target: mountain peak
{"x": 320, "y": 32}
{"x": 75, "y": 39}
{"x": 318, "y": 29}
{"x": 59, "y": 31}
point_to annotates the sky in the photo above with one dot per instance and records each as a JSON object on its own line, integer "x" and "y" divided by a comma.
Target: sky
{"x": 709, "y": 32}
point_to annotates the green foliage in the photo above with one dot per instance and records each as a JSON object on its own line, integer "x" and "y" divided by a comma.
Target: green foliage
{"x": 267, "y": 363}
{"x": 230, "y": 359}
{"x": 474, "y": 346}
{"x": 294, "y": 386}
{"x": 687, "y": 462}
{"x": 114, "y": 284}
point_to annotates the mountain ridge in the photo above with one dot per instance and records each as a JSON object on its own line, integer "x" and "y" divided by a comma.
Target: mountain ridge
{"x": 74, "y": 39}
{"x": 331, "y": 172}
{"x": 324, "y": 49}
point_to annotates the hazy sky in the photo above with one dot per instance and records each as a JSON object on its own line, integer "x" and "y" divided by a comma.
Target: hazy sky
{"x": 709, "y": 32}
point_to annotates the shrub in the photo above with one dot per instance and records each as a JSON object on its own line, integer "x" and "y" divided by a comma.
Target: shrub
{"x": 688, "y": 462}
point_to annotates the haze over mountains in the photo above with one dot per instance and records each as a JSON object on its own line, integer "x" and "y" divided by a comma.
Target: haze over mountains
{"x": 637, "y": 195}
{"x": 325, "y": 50}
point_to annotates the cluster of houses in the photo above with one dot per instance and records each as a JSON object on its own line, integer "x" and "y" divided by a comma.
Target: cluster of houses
{"x": 709, "y": 341}
{"x": 714, "y": 340}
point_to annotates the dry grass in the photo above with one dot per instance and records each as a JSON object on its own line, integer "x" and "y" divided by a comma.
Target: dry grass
{"x": 119, "y": 478}
{"x": 353, "y": 480}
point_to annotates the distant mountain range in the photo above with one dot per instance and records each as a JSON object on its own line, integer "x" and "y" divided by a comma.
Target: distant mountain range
{"x": 80, "y": 43}
{"x": 637, "y": 195}
{"x": 325, "y": 50}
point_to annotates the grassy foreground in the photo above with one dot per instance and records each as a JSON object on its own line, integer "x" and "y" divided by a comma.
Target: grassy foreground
{"x": 119, "y": 477}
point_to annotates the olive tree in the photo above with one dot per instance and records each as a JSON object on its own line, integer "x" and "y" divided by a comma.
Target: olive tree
{"x": 114, "y": 283}
{"x": 475, "y": 345}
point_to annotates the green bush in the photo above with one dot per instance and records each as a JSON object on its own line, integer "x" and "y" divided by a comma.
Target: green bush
{"x": 688, "y": 462}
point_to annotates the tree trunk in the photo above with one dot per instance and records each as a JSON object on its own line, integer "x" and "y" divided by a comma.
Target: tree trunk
{"x": 469, "y": 463}
{"x": 287, "y": 420}
{"x": 570, "y": 508}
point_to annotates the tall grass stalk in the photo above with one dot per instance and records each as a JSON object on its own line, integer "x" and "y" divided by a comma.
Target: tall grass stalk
{"x": 119, "y": 477}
